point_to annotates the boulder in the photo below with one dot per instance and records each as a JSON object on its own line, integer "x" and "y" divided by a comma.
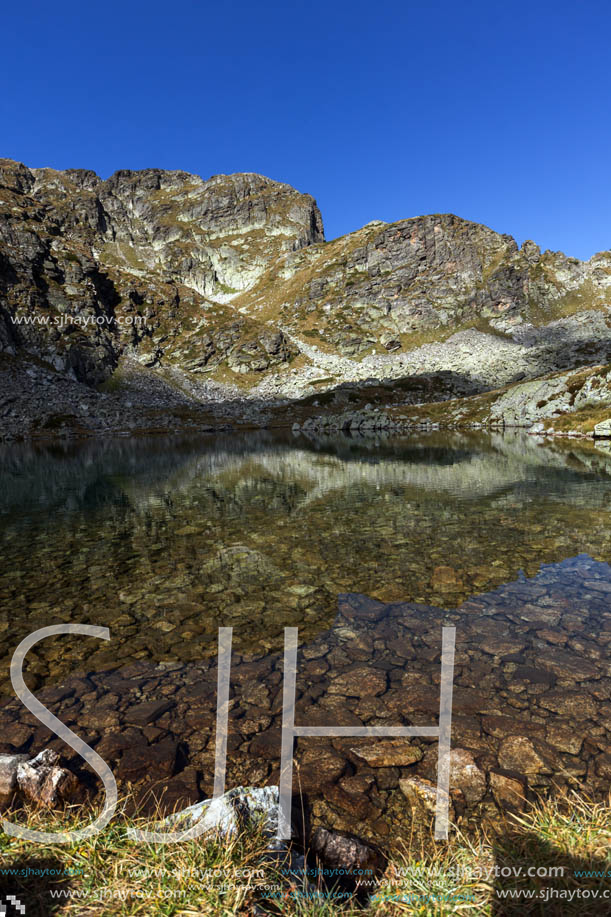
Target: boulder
{"x": 579, "y": 705}
{"x": 603, "y": 429}
{"x": 466, "y": 776}
{"x": 317, "y": 767}
{"x": 343, "y": 854}
{"x": 509, "y": 792}
{"x": 44, "y": 782}
{"x": 445, "y": 578}
{"x": 603, "y": 765}
{"x": 564, "y": 736}
{"x": 359, "y": 682}
{"x": 8, "y": 772}
{"x": 238, "y": 808}
{"x": 387, "y": 753}
{"x": 520, "y": 755}
{"x": 422, "y": 798}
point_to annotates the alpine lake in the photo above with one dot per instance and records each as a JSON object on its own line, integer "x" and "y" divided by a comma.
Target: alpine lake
{"x": 368, "y": 547}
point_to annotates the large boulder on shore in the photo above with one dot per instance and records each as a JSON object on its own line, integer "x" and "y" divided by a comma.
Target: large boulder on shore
{"x": 240, "y": 807}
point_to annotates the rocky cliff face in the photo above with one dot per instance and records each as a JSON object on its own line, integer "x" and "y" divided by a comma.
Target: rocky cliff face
{"x": 142, "y": 264}
{"x": 227, "y": 287}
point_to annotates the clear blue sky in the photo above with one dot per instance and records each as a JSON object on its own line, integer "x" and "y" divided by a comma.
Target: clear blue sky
{"x": 499, "y": 112}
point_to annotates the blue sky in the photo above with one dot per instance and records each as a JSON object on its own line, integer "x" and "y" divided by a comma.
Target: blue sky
{"x": 497, "y": 112}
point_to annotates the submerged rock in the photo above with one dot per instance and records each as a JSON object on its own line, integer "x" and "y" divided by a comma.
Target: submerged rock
{"x": 387, "y": 753}
{"x": 519, "y": 754}
{"x": 509, "y": 792}
{"x": 422, "y": 798}
{"x": 359, "y": 682}
{"x": 466, "y": 776}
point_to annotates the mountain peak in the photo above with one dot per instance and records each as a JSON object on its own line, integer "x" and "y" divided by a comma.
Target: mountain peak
{"x": 230, "y": 284}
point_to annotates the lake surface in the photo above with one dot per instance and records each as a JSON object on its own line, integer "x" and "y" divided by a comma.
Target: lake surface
{"x": 368, "y": 547}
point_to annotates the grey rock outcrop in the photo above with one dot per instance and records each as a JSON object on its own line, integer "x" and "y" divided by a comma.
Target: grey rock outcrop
{"x": 228, "y": 281}
{"x": 9, "y": 765}
{"x": 141, "y": 264}
{"x": 225, "y": 815}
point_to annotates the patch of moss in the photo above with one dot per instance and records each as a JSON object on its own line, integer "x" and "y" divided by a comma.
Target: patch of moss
{"x": 114, "y": 383}
{"x": 230, "y": 291}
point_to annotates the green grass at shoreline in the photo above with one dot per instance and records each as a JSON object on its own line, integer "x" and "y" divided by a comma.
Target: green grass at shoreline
{"x": 110, "y": 875}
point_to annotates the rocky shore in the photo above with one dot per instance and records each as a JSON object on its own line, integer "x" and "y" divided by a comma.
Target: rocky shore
{"x": 574, "y": 404}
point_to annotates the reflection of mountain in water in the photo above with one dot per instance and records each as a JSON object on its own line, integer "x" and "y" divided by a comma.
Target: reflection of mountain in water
{"x": 164, "y": 540}
{"x": 142, "y": 472}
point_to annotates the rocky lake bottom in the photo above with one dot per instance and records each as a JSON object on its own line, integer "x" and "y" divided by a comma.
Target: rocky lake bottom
{"x": 367, "y": 546}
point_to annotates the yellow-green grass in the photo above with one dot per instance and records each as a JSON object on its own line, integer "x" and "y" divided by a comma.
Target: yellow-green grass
{"x": 484, "y": 874}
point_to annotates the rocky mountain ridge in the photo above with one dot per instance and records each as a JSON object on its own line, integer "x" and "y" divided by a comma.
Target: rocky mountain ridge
{"x": 225, "y": 291}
